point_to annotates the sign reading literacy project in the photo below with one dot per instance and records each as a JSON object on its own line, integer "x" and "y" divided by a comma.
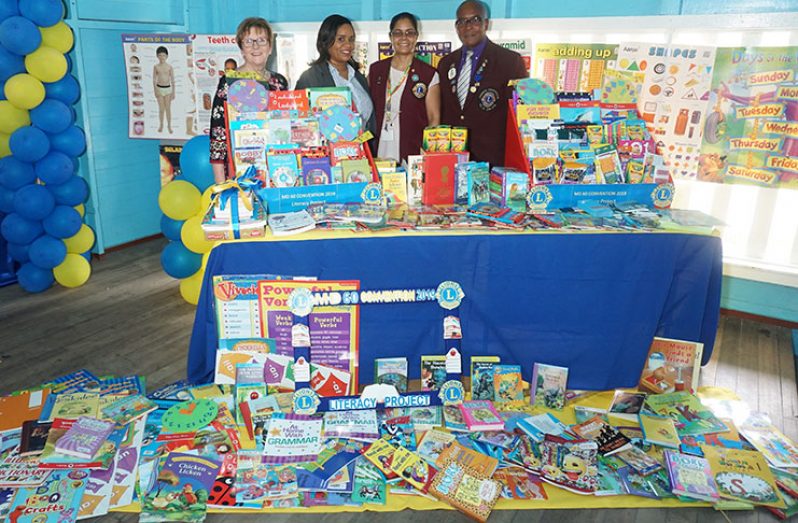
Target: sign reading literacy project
{"x": 333, "y": 324}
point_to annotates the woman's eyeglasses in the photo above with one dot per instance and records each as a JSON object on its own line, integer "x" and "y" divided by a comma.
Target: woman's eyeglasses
{"x": 410, "y": 33}
{"x": 463, "y": 22}
{"x": 252, "y": 42}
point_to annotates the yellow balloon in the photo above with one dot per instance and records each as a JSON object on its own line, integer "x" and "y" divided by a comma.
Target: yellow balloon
{"x": 81, "y": 242}
{"x": 193, "y": 237}
{"x": 24, "y": 91}
{"x": 74, "y": 271}
{"x": 58, "y": 36}
{"x": 190, "y": 287}
{"x": 179, "y": 200}
{"x": 205, "y": 256}
{"x": 81, "y": 210}
{"x": 5, "y": 150}
{"x": 12, "y": 117}
{"x": 205, "y": 201}
{"x": 46, "y": 64}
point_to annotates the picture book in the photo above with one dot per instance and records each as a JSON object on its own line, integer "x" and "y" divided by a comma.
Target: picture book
{"x": 453, "y": 419}
{"x": 292, "y": 438}
{"x": 85, "y": 437}
{"x": 247, "y": 393}
{"x": 743, "y": 475}
{"x": 353, "y": 424}
{"x": 526, "y": 454}
{"x": 391, "y": 371}
{"x": 57, "y": 501}
{"x": 73, "y": 406}
{"x": 639, "y": 461}
{"x": 607, "y": 437}
{"x": 394, "y": 185}
{"x": 507, "y": 383}
{"x": 256, "y": 415}
{"x": 609, "y": 482}
{"x": 571, "y": 465}
{"x": 399, "y": 432}
{"x": 369, "y": 486}
{"x": 659, "y": 430}
{"x": 127, "y": 408}
{"x": 482, "y": 377}
{"x": 481, "y": 415}
{"x": 52, "y": 459}
{"x": 79, "y": 381}
{"x": 787, "y": 481}
{"x": 468, "y": 490}
{"x": 433, "y": 372}
{"x": 636, "y": 484}
{"x": 687, "y": 412}
{"x": 126, "y": 464}
{"x": 518, "y": 483}
{"x": 16, "y": 409}
{"x": 496, "y": 438}
{"x": 425, "y": 418}
{"x": 537, "y": 426}
{"x": 778, "y": 449}
{"x": 249, "y": 373}
{"x": 433, "y": 443}
{"x": 316, "y": 171}
{"x": 548, "y": 386}
{"x": 582, "y": 413}
{"x": 671, "y": 366}
{"x": 322, "y": 98}
{"x": 690, "y": 476}
{"x": 380, "y": 453}
{"x": 412, "y": 468}
{"x": 33, "y": 437}
{"x": 181, "y": 489}
{"x": 626, "y": 405}
{"x": 477, "y": 461}
{"x": 18, "y": 471}
{"x": 791, "y": 507}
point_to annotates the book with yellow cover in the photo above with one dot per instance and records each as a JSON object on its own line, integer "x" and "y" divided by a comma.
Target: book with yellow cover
{"x": 743, "y": 475}
{"x": 659, "y": 430}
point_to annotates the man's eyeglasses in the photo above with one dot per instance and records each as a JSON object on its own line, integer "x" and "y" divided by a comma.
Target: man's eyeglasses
{"x": 464, "y": 22}
{"x": 252, "y": 42}
{"x": 410, "y": 33}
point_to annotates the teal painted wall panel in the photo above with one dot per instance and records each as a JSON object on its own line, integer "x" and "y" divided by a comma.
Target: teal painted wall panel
{"x": 420, "y": 8}
{"x": 581, "y": 8}
{"x": 762, "y": 299}
{"x": 127, "y": 11}
{"x": 702, "y": 7}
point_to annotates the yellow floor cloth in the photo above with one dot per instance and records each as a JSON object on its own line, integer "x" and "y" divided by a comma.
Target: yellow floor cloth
{"x": 557, "y": 498}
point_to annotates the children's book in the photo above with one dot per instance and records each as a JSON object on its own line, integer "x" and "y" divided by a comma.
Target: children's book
{"x": 85, "y": 437}
{"x": 292, "y": 438}
{"x": 507, "y": 383}
{"x": 413, "y": 469}
{"x": 518, "y": 483}
{"x": 482, "y": 387}
{"x": 369, "y": 486}
{"x": 57, "y": 501}
{"x": 639, "y": 461}
{"x": 671, "y": 366}
{"x": 659, "y": 430}
{"x": 33, "y": 437}
{"x": 399, "y": 432}
{"x": 786, "y": 480}
{"x": 743, "y": 475}
{"x": 537, "y": 426}
{"x": 609, "y": 482}
{"x": 626, "y": 405}
{"x": 690, "y": 476}
{"x": 256, "y": 415}
{"x": 582, "y": 413}
{"x": 73, "y": 406}
{"x": 380, "y": 454}
{"x": 791, "y": 507}
{"x": 78, "y": 381}
{"x": 433, "y": 443}
{"x": 466, "y": 489}
{"x": 778, "y": 449}
{"x": 433, "y": 372}
{"x": 687, "y": 412}
{"x": 607, "y": 437}
{"x": 353, "y": 424}
{"x": 52, "y": 459}
{"x": 548, "y": 386}
{"x": 478, "y": 461}
{"x": 571, "y": 465}
{"x": 481, "y": 415}
{"x": 636, "y": 484}
{"x": 126, "y": 464}
{"x": 526, "y": 454}
{"x": 496, "y": 438}
{"x": 127, "y": 408}
{"x": 391, "y": 371}
{"x": 245, "y": 393}
{"x": 17, "y": 471}
{"x": 181, "y": 489}
{"x": 453, "y": 419}
{"x": 425, "y": 418}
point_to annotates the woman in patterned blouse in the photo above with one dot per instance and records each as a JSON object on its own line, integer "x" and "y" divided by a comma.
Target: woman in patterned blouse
{"x": 254, "y": 37}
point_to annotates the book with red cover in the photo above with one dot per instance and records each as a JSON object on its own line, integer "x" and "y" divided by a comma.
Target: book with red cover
{"x": 439, "y": 174}
{"x": 290, "y": 101}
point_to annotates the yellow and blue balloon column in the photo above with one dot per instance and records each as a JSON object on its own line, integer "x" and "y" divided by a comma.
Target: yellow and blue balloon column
{"x": 184, "y": 201}
{"x": 41, "y": 196}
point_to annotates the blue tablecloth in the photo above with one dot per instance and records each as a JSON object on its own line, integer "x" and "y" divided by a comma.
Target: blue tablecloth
{"x": 589, "y": 302}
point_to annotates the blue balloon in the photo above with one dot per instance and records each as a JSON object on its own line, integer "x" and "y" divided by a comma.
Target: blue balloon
{"x": 16, "y": 229}
{"x": 69, "y": 63}
{"x": 34, "y": 279}
{"x": 19, "y": 35}
{"x": 55, "y": 168}
{"x": 63, "y": 222}
{"x": 15, "y": 174}
{"x": 6, "y": 200}
{"x": 194, "y": 163}
{"x": 179, "y": 262}
{"x": 87, "y": 256}
{"x": 47, "y": 252}
{"x": 66, "y": 90}
{"x": 29, "y": 144}
{"x": 171, "y": 228}
{"x": 19, "y": 252}
{"x": 43, "y": 12}
{"x": 8, "y": 8}
{"x": 71, "y": 142}
{"x": 34, "y": 202}
{"x": 52, "y": 116}
{"x": 10, "y": 64}
{"x": 72, "y": 192}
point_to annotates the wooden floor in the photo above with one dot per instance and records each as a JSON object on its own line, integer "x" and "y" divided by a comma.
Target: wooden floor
{"x": 130, "y": 319}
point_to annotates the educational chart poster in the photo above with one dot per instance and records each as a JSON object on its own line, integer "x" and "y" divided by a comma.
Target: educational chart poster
{"x": 522, "y": 46}
{"x": 574, "y": 67}
{"x": 428, "y": 52}
{"x": 160, "y": 86}
{"x": 334, "y": 329}
{"x": 213, "y": 54}
{"x": 673, "y": 98}
{"x": 751, "y": 132}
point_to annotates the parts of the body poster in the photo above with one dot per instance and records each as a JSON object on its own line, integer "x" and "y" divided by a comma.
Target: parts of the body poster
{"x": 751, "y": 132}
{"x": 160, "y": 86}
{"x": 213, "y": 55}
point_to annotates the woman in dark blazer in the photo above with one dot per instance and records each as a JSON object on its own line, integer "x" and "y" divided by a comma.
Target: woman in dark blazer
{"x": 335, "y": 66}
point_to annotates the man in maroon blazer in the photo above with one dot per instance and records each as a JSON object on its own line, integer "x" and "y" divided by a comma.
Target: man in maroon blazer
{"x": 474, "y": 89}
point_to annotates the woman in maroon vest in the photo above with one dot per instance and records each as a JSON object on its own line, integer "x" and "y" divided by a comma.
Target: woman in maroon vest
{"x": 405, "y": 92}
